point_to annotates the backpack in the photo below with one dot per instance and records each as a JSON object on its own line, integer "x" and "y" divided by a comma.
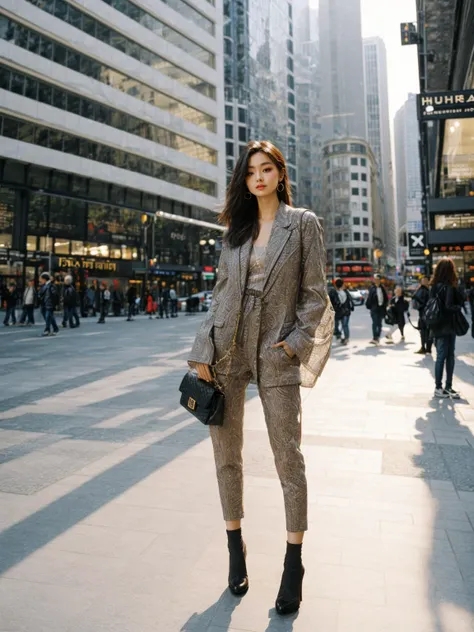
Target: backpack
{"x": 433, "y": 314}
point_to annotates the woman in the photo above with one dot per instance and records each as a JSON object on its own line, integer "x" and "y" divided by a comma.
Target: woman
{"x": 104, "y": 302}
{"x": 269, "y": 299}
{"x": 343, "y": 306}
{"x": 398, "y": 305}
{"x": 444, "y": 285}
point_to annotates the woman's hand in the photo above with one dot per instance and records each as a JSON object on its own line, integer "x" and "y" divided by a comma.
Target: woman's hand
{"x": 286, "y": 347}
{"x": 204, "y": 372}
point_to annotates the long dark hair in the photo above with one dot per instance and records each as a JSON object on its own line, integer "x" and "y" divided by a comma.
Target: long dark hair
{"x": 241, "y": 215}
{"x": 445, "y": 273}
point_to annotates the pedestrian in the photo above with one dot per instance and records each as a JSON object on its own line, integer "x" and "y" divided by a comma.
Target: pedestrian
{"x": 104, "y": 302}
{"x": 117, "y": 299}
{"x": 131, "y": 296}
{"x": 398, "y": 306}
{"x": 11, "y": 298}
{"x": 444, "y": 289}
{"x": 377, "y": 302}
{"x": 419, "y": 300}
{"x": 165, "y": 303}
{"x": 29, "y": 301}
{"x": 70, "y": 314}
{"x": 343, "y": 307}
{"x": 49, "y": 297}
{"x": 174, "y": 302}
{"x": 269, "y": 299}
{"x": 149, "y": 305}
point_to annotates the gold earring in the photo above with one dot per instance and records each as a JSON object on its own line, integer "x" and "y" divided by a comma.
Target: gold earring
{"x": 282, "y": 187}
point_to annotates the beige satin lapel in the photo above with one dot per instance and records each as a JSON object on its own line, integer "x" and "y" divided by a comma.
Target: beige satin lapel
{"x": 279, "y": 236}
{"x": 243, "y": 263}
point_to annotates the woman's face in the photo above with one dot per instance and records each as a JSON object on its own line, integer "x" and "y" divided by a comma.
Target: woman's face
{"x": 263, "y": 175}
{"x": 398, "y": 291}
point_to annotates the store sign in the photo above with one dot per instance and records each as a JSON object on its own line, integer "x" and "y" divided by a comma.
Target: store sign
{"x": 87, "y": 264}
{"x": 447, "y": 249}
{"x": 416, "y": 244}
{"x": 445, "y": 105}
{"x": 358, "y": 269}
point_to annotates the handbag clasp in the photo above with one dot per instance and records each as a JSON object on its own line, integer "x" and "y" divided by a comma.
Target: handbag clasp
{"x": 191, "y": 403}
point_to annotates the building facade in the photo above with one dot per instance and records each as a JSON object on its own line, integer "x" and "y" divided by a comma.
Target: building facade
{"x": 378, "y": 134}
{"x": 308, "y": 106}
{"x": 351, "y": 210}
{"x": 342, "y": 70}
{"x": 260, "y": 98}
{"x": 408, "y": 183}
{"x": 112, "y": 151}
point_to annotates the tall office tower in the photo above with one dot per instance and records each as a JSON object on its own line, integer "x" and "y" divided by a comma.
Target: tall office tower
{"x": 111, "y": 108}
{"x": 378, "y": 133}
{"x": 407, "y": 170}
{"x": 308, "y": 106}
{"x": 259, "y": 77}
{"x": 342, "y": 70}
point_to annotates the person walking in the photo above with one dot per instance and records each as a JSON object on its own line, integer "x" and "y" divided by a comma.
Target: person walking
{"x": 165, "y": 303}
{"x": 419, "y": 300}
{"x": 267, "y": 304}
{"x": 104, "y": 302}
{"x": 70, "y": 314}
{"x": 173, "y": 302}
{"x": 377, "y": 301}
{"x": 117, "y": 299}
{"x": 131, "y": 296}
{"x": 11, "y": 298}
{"x": 444, "y": 288}
{"x": 29, "y": 300}
{"x": 398, "y": 306}
{"x": 49, "y": 298}
{"x": 343, "y": 306}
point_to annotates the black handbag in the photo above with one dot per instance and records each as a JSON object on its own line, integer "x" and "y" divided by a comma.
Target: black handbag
{"x": 202, "y": 399}
{"x": 461, "y": 326}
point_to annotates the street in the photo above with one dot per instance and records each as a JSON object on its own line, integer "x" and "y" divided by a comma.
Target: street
{"x": 109, "y": 512}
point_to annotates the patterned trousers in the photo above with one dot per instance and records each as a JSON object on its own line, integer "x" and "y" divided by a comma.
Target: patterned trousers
{"x": 282, "y": 409}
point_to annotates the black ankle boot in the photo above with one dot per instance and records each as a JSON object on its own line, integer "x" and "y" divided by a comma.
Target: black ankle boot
{"x": 290, "y": 594}
{"x": 238, "y": 580}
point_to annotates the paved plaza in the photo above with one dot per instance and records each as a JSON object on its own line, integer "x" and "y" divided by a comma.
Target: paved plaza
{"x": 109, "y": 512}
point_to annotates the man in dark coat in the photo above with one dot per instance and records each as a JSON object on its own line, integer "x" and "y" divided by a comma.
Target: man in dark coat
{"x": 420, "y": 298}
{"x": 377, "y": 302}
{"x": 11, "y": 298}
{"x": 70, "y": 304}
{"x": 49, "y": 298}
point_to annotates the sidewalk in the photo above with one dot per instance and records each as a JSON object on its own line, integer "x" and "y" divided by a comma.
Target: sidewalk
{"x": 128, "y": 537}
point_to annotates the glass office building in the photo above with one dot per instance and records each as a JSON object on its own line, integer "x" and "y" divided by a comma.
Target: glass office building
{"x": 111, "y": 149}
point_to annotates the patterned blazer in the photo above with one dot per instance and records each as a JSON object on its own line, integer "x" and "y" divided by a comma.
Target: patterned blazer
{"x": 294, "y": 306}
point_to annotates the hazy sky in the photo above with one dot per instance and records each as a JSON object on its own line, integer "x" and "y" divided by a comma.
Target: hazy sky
{"x": 383, "y": 18}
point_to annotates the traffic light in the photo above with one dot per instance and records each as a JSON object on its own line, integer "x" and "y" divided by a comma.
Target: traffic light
{"x": 408, "y": 33}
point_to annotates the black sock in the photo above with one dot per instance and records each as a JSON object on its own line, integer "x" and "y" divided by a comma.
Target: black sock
{"x": 293, "y": 554}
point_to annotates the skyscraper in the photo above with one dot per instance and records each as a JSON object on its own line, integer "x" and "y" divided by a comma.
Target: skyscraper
{"x": 342, "y": 70}
{"x": 378, "y": 133}
{"x": 111, "y": 114}
{"x": 259, "y": 77}
{"x": 407, "y": 169}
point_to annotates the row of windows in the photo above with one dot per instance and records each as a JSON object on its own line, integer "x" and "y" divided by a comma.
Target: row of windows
{"x": 48, "y": 48}
{"x": 38, "y": 90}
{"x": 339, "y": 148}
{"x": 339, "y": 237}
{"x": 189, "y": 12}
{"x": 355, "y": 176}
{"x": 356, "y": 221}
{"x": 99, "y": 30}
{"x": 343, "y": 176}
{"x": 69, "y": 144}
{"x": 342, "y": 162}
{"x": 229, "y": 114}
{"x": 355, "y": 191}
{"x": 152, "y": 23}
{"x": 229, "y": 133}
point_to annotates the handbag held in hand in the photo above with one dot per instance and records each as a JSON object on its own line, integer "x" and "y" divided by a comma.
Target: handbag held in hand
{"x": 202, "y": 399}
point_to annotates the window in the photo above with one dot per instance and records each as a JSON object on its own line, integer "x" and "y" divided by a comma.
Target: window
{"x": 365, "y": 221}
{"x": 356, "y": 221}
{"x": 363, "y": 177}
{"x": 356, "y": 236}
{"x": 292, "y": 129}
{"x": 338, "y": 237}
{"x": 229, "y": 131}
{"x": 243, "y": 134}
{"x": 290, "y": 81}
{"x": 291, "y": 98}
{"x": 354, "y": 176}
{"x": 354, "y": 191}
{"x": 364, "y": 192}
{"x": 354, "y": 161}
{"x": 18, "y": 83}
{"x": 366, "y": 236}
{"x": 289, "y": 64}
{"x": 117, "y": 80}
{"x": 230, "y": 164}
{"x": 229, "y": 149}
{"x": 363, "y": 162}
{"x": 242, "y": 115}
{"x": 291, "y": 114}
{"x": 229, "y": 113}
{"x": 365, "y": 206}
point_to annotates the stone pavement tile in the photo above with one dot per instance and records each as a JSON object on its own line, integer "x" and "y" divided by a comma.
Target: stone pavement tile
{"x": 10, "y": 438}
{"x": 355, "y": 617}
{"x": 35, "y": 607}
{"x": 102, "y": 541}
{"x": 339, "y": 582}
{"x": 461, "y": 542}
